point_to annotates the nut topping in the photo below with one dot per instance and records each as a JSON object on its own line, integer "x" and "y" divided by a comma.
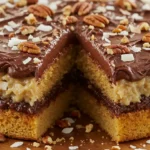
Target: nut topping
{"x": 69, "y": 20}
{"x": 144, "y": 26}
{"x": 124, "y": 40}
{"x": 40, "y": 10}
{"x": 119, "y": 29}
{"x": 96, "y": 20}
{"x": 29, "y": 47}
{"x": 82, "y": 8}
{"x": 126, "y": 4}
{"x": 25, "y": 30}
{"x": 62, "y": 123}
{"x": 31, "y": 20}
{"x": 67, "y": 10}
{"x": 21, "y": 3}
{"x": 146, "y": 38}
{"x": 117, "y": 49}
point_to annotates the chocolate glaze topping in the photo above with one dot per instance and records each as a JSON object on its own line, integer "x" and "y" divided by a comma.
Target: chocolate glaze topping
{"x": 11, "y": 61}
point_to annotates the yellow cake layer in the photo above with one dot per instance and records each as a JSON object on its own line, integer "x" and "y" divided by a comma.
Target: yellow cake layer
{"x": 125, "y": 127}
{"x": 123, "y": 92}
{"x": 24, "y": 126}
{"x": 30, "y": 89}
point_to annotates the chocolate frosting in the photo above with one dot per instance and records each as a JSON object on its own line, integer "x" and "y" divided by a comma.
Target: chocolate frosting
{"x": 11, "y": 62}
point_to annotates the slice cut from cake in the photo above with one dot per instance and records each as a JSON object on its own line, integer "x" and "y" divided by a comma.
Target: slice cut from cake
{"x": 115, "y": 64}
{"x": 35, "y": 58}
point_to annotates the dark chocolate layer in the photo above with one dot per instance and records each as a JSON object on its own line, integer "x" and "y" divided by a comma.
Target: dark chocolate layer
{"x": 116, "y": 108}
{"x": 38, "y": 106}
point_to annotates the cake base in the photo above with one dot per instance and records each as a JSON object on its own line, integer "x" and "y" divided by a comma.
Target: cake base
{"x": 32, "y": 127}
{"x": 125, "y": 127}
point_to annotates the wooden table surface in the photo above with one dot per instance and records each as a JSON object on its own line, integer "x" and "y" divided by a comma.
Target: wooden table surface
{"x": 101, "y": 140}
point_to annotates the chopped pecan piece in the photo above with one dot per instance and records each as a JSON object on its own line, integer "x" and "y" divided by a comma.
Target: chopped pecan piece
{"x": 117, "y": 49}
{"x": 125, "y": 40}
{"x": 2, "y": 9}
{"x": 31, "y": 19}
{"x": 146, "y": 38}
{"x": 29, "y": 47}
{"x": 124, "y": 21}
{"x": 82, "y": 8}
{"x": 21, "y": 3}
{"x": 40, "y": 10}
{"x": 62, "y": 123}
{"x": 67, "y": 10}
{"x": 25, "y": 30}
{"x": 119, "y": 29}
{"x": 144, "y": 26}
{"x": 96, "y": 20}
{"x": 69, "y": 20}
{"x": 126, "y": 4}
{"x": 11, "y": 35}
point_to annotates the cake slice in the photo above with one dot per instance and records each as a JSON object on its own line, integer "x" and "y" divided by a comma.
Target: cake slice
{"x": 35, "y": 58}
{"x": 114, "y": 65}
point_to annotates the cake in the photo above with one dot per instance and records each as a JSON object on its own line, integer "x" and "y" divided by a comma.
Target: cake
{"x": 51, "y": 50}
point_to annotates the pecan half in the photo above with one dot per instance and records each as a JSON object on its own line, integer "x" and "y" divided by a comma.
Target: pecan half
{"x": 25, "y": 30}
{"x": 29, "y": 47}
{"x": 96, "y": 20}
{"x": 82, "y": 8}
{"x": 146, "y": 38}
{"x": 117, "y": 49}
{"x": 126, "y": 4}
{"x": 40, "y": 10}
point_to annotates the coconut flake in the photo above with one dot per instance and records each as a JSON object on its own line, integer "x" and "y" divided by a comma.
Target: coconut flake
{"x": 15, "y": 41}
{"x": 125, "y": 12}
{"x": 30, "y": 37}
{"x": 36, "y": 60}
{"x": 3, "y": 85}
{"x": 100, "y": 9}
{"x": 48, "y": 18}
{"x": 14, "y": 48}
{"x": 8, "y": 28}
{"x": 73, "y": 147}
{"x": 146, "y": 1}
{"x": 146, "y": 7}
{"x": 45, "y": 28}
{"x": 124, "y": 33}
{"x": 136, "y": 16}
{"x": 146, "y": 48}
{"x": 110, "y": 7}
{"x": 36, "y": 39}
{"x": 106, "y": 44}
{"x": 1, "y": 33}
{"x": 3, "y": 1}
{"x": 70, "y": 120}
{"x": 127, "y": 57}
{"x": 13, "y": 24}
{"x": 120, "y": 17}
{"x": 54, "y": 6}
{"x": 136, "y": 49}
{"x": 67, "y": 130}
{"x": 132, "y": 146}
{"x": 44, "y": 2}
{"x": 134, "y": 29}
{"x": 26, "y": 61}
{"x": 16, "y": 144}
{"x": 9, "y": 5}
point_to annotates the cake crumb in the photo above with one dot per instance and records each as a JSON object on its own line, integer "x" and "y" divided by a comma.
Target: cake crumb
{"x": 88, "y": 128}
{"x": 115, "y": 148}
{"x": 92, "y": 141}
{"x": 36, "y": 144}
{"x": 79, "y": 126}
{"x": 48, "y": 147}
